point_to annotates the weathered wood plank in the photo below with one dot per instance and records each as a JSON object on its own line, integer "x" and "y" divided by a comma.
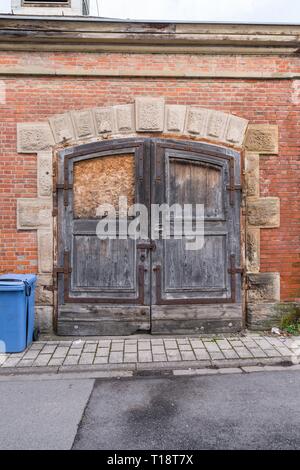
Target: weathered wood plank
{"x": 195, "y": 319}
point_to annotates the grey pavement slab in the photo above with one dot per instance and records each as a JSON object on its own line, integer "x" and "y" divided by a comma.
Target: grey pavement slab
{"x": 40, "y": 415}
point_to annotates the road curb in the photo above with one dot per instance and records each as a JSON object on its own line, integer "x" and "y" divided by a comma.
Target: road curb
{"x": 153, "y": 369}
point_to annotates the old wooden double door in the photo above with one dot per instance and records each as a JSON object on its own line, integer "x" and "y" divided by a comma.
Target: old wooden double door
{"x": 123, "y": 285}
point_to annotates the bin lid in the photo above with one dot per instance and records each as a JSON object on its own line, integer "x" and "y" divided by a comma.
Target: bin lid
{"x": 15, "y": 282}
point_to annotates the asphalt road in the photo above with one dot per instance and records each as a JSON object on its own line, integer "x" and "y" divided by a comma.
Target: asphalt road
{"x": 236, "y": 411}
{"x": 242, "y": 411}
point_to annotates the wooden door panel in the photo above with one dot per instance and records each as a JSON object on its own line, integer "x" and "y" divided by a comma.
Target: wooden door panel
{"x": 199, "y": 273}
{"x": 108, "y": 265}
{"x": 103, "y": 275}
{"x": 185, "y": 281}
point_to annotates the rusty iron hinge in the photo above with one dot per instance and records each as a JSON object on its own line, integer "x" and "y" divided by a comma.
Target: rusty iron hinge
{"x": 234, "y": 187}
{"x": 65, "y": 187}
{"x": 147, "y": 246}
{"x": 236, "y": 270}
{"x": 233, "y": 269}
{"x": 66, "y": 268}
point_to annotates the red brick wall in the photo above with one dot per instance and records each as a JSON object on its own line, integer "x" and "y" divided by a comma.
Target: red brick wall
{"x": 31, "y": 99}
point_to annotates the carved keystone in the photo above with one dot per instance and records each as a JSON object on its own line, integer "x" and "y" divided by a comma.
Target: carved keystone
{"x": 263, "y": 287}
{"x": 149, "y": 114}
{"x": 83, "y": 124}
{"x": 262, "y": 138}
{"x": 33, "y": 137}
{"x": 252, "y": 173}
{"x": 34, "y": 213}
{"x": 62, "y": 127}
{"x": 44, "y": 166}
{"x": 124, "y": 118}
{"x": 263, "y": 212}
{"x": 174, "y": 118}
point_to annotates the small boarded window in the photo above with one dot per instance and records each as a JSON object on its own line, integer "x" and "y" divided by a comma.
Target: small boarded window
{"x": 100, "y": 181}
{"x": 47, "y": 2}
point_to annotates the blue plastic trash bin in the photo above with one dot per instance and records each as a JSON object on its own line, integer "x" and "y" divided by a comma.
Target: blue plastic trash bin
{"x": 17, "y": 293}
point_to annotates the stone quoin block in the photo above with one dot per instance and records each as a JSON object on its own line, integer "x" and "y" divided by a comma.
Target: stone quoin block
{"x": 252, "y": 174}
{"x": 149, "y": 114}
{"x": 34, "y": 137}
{"x": 263, "y": 287}
{"x": 262, "y": 315}
{"x": 124, "y": 118}
{"x": 45, "y": 251}
{"x": 44, "y": 290}
{"x": 44, "y": 318}
{"x": 262, "y": 138}
{"x": 44, "y": 174}
{"x": 83, "y": 124}
{"x": 104, "y": 120}
{"x": 174, "y": 118}
{"x": 263, "y": 212}
{"x": 62, "y": 127}
{"x": 252, "y": 249}
{"x": 34, "y": 213}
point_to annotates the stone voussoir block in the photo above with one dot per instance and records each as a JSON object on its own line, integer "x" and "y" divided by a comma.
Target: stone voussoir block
{"x": 44, "y": 174}
{"x": 236, "y": 130}
{"x": 34, "y": 213}
{"x": 83, "y": 124}
{"x": 174, "y": 118}
{"x": 62, "y": 127}
{"x": 263, "y": 287}
{"x": 33, "y": 137}
{"x": 149, "y": 113}
{"x": 196, "y": 121}
{"x": 124, "y": 118}
{"x": 262, "y": 138}
{"x": 216, "y": 125}
{"x": 263, "y": 212}
{"x": 104, "y": 120}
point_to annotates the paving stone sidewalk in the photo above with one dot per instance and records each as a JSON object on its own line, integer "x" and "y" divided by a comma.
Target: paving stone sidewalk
{"x": 154, "y": 353}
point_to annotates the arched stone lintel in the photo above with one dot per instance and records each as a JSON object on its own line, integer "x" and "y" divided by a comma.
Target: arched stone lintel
{"x": 145, "y": 115}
